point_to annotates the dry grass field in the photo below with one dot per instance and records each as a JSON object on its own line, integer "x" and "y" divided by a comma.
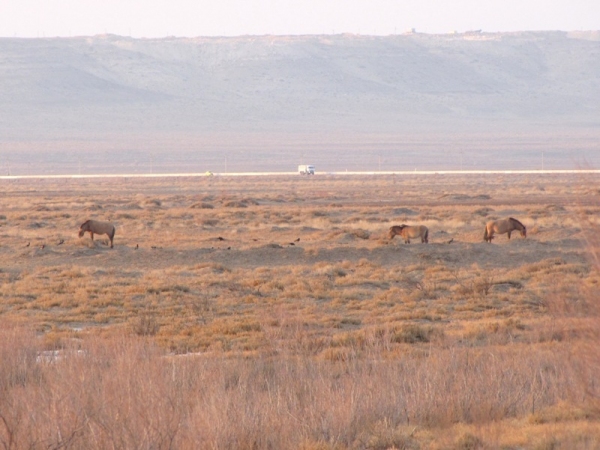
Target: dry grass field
{"x": 274, "y": 312}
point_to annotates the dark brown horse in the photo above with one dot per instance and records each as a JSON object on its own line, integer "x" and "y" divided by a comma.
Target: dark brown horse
{"x": 95, "y": 226}
{"x": 503, "y": 226}
{"x": 408, "y": 232}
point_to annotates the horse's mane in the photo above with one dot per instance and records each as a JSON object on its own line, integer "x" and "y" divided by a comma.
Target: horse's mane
{"x": 515, "y": 220}
{"x": 87, "y": 221}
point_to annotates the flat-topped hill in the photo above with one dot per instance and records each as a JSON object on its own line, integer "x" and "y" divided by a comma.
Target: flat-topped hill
{"x": 270, "y": 102}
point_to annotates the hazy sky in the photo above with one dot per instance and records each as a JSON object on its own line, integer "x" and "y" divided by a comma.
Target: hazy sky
{"x": 158, "y": 18}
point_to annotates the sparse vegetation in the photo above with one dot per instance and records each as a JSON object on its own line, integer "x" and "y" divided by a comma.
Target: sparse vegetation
{"x": 231, "y": 314}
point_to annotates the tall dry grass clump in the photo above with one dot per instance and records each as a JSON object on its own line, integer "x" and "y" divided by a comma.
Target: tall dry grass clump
{"x": 127, "y": 393}
{"x": 576, "y": 309}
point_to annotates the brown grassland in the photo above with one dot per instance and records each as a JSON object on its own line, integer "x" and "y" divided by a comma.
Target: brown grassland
{"x": 273, "y": 312}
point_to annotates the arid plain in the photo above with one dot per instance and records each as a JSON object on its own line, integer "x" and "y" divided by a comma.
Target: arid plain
{"x": 274, "y": 312}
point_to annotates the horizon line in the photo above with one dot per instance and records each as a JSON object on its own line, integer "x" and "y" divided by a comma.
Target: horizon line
{"x": 409, "y": 32}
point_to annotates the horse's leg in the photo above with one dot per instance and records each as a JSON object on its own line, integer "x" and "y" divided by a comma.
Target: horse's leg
{"x": 92, "y": 235}
{"x": 509, "y": 234}
{"x": 111, "y": 241}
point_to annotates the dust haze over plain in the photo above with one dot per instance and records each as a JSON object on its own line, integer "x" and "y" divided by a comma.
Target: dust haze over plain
{"x": 465, "y": 100}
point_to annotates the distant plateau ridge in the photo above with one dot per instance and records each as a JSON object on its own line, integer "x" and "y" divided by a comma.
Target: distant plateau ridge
{"x": 523, "y": 100}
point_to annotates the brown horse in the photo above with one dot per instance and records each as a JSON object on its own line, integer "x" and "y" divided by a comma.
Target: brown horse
{"x": 95, "y": 226}
{"x": 503, "y": 226}
{"x": 408, "y": 232}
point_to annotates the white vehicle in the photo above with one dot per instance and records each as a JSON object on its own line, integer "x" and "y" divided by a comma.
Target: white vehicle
{"x": 306, "y": 169}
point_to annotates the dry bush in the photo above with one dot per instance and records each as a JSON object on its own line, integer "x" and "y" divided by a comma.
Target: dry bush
{"x": 125, "y": 392}
{"x": 145, "y": 326}
{"x": 202, "y": 205}
{"x": 360, "y": 233}
{"x": 474, "y": 285}
{"x": 152, "y": 203}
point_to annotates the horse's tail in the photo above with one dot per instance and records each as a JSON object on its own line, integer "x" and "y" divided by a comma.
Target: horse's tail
{"x": 112, "y": 232}
{"x": 426, "y": 237}
{"x": 485, "y": 234}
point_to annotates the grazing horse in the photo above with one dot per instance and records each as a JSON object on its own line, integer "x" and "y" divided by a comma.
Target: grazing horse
{"x": 95, "y": 226}
{"x": 408, "y": 232}
{"x": 503, "y": 226}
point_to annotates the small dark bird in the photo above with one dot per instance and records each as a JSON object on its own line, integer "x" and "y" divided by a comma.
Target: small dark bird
{"x": 291, "y": 243}
{"x": 220, "y": 238}
{"x": 450, "y": 241}
{"x": 137, "y": 246}
{"x": 28, "y": 244}
{"x": 154, "y": 247}
{"x": 43, "y": 246}
{"x": 297, "y": 240}
{"x": 62, "y": 241}
{"x": 228, "y": 248}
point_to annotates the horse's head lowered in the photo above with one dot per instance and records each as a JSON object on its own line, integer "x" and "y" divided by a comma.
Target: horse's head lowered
{"x": 395, "y": 230}
{"x": 83, "y": 228}
{"x": 519, "y": 226}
